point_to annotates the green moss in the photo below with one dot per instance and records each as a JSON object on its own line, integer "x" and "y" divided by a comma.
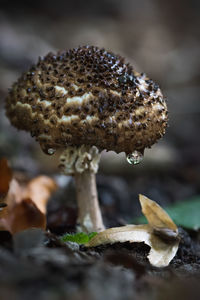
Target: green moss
{"x": 79, "y": 238}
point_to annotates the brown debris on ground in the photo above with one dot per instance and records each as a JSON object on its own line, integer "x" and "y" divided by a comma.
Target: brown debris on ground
{"x": 25, "y": 204}
{"x": 39, "y": 259}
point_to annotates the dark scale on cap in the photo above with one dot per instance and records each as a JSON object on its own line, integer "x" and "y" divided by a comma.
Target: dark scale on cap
{"x": 88, "y": 96}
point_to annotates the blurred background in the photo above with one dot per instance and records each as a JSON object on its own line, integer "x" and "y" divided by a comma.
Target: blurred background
{"x": 160, "y": 38}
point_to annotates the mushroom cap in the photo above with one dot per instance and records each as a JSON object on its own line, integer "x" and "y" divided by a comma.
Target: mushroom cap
{"x": 88, "y": 96}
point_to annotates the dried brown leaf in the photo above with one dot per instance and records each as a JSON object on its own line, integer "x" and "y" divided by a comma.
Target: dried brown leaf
{"x": 24, "y": 215}
{"x": 156, "y": 216}
{"x": 39, "y": 189}
{"x": 27, "y": 204}
{"x": 5, "y": 179}
{"x": 3, "y": 212}
{"x": 5, "y": 176}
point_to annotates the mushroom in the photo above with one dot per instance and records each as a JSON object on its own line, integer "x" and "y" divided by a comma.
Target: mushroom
{"x": 83, "y": 101}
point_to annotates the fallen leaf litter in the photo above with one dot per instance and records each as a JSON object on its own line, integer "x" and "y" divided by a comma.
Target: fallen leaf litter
{"x": 161, "y": 234}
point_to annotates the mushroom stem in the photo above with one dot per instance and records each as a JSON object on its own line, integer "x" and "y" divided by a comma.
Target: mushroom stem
{"x": 89, "y": 214}
{"x": 83, "y": 162}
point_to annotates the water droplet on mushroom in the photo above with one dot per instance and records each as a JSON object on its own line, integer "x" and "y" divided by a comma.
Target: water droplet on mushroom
{"x": 51, "y": 151}
{"x": 134, "y": 158}
{"x": 47, "y": 150}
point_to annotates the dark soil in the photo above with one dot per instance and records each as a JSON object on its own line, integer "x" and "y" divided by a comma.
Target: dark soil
{"x": 35, "y": 264}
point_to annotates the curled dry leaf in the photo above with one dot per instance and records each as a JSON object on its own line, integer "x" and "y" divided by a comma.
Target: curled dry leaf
{"x": 161, "y": 234}
{"x": 156, "y": 216}
{"x": 26, "y": 205}
{"x": 39, "y": 189}
{"x": 5, "y": 179}
{"x": 24, "y": 215}
{"x": 5, "y": 176}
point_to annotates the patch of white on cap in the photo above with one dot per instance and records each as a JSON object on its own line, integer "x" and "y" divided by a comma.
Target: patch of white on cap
{"x": 127, "y": 122}
{"x": 156, "y": 94}
{"x": 69, "y": 118}
{"x": 47, "y": 103}
{"x": 158, "y": 106}
{"x": 111, "y": 119}
{"x": 143, "y": 86}
{"x": 79, "y": 100}
{"x": 61, "y": 89}
{"x": 140, "y": 110}
{"x": 23, "y": 105}
{"x": 75, "y": 87}
{"x": 91, "y": 118}
{"x": 115, "y": 93}
{"x": 39, "y": 83}
{"x": 117, "y": 62}
{"x": 119, "y": 70}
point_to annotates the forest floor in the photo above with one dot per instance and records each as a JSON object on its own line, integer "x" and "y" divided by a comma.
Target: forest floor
{"x": 36, "y": 264}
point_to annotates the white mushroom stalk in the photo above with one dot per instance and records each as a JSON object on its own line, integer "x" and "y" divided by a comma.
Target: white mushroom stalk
{"x": 83, "y": 162}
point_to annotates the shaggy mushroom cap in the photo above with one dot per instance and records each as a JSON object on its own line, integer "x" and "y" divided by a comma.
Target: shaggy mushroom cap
{"x": 88, "y": 96}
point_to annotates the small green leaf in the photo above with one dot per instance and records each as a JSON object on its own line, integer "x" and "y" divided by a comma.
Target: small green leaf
{"x": 185, "y": 214}
{"x": 79, "y": 238}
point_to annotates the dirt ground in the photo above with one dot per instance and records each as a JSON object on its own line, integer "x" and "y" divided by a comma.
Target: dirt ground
{"x": 35, "y": 264}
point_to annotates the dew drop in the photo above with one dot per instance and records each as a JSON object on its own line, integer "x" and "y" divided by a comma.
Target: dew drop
{"x": 47, "y": 150}
{"x": 51, "y": 151}
{"x": 134, "y": 158}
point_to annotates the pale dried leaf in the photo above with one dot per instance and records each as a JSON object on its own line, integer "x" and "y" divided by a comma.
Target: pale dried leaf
{"x": 155, "y": 215}
{"x": 130, "y": 233}
{"x": 160, "y": 234}
{"x": 160, "y": 254}
{"x": 15, "y": 193}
